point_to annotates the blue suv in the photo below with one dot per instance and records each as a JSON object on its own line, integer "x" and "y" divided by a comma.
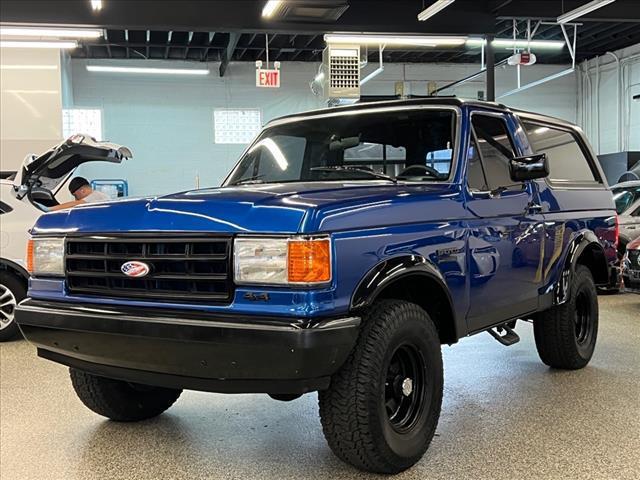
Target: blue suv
{"x": 344, "y": 248}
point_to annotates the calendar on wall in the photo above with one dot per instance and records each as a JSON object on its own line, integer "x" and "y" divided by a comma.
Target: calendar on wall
{"x": 82, "y": 120}
{"x": 238, "y": 126}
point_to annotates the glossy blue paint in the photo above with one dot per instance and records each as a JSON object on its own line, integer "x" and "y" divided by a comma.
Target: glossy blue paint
{"x": 497, "y": 258}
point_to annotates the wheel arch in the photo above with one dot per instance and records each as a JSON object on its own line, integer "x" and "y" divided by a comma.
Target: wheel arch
{"x": 590, "y": 253}
{"x": 584, "y": 249}
{"x": 407, "y": 278}
{"x": 14, "y": 268}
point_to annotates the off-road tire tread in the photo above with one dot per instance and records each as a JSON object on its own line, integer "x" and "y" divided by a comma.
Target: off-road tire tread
{"x": 117, "y": 400}
{"x": 344, "y": 413}
{"x": 554, "y": 328}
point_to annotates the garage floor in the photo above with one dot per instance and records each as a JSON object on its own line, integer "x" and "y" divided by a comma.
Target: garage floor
{"x": 505, "y": 415}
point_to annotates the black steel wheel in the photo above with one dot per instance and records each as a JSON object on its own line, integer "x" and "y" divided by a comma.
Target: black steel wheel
{"x": 382, "y": 407}
{"x": 405, "y": 389}
{"x": 566, "y": 334}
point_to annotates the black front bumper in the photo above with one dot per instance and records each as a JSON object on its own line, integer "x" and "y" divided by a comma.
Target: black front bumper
{"x": 197, "y": 351}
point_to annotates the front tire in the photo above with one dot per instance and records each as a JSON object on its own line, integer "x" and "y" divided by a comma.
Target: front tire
{"x": 121, "y": 401}
{"x": 382, "y": 407}
{"x": 12, "y": 291}
{"x": 566, "y": 334}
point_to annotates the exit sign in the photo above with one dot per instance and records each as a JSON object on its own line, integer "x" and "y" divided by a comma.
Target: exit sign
{"x": 267, "y": 78}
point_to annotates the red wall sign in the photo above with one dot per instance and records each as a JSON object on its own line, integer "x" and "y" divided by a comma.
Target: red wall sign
{"x": 267, "y": 78}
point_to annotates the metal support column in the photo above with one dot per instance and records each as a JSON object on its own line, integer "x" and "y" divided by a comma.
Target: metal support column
{"x": 491, "y": 74}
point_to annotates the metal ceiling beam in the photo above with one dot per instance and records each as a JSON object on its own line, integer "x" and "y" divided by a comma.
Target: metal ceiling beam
{"x": 205, "y": 55}
{"x": 381, "y": 16}
{"x": 106, "y": 39}
{"x": 227, "y": 53}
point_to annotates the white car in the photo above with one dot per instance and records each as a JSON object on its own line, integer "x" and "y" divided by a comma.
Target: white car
{"x": 627, "y": 198}
{"x": 24, "y": 198}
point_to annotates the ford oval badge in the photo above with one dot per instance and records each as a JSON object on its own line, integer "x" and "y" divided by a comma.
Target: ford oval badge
{"x": 135, "y": 269}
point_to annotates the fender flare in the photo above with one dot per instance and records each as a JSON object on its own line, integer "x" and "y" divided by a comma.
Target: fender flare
{"x": 583, "y": 240}
{"x": 391, "y": 270}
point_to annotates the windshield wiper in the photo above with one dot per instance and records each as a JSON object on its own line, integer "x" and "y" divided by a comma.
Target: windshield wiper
{"x": 342, "y": 168}
{"x": 249, "y": 180}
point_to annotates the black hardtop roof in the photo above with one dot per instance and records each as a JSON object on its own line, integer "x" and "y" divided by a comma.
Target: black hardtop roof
{"x": 444, "y": 100}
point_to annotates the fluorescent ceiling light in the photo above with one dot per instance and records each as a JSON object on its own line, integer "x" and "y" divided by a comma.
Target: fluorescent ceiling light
{"x": 406, "y": 40}
{"x": 161, "y": 71}
{"x": 270, "y": 8}
{"x": 433, "y": 9}
{"x": 583, "y": 10}
{"x": 519, "y": 43}
{"x": 28, "y": 67}
{"x": 48, "y": 44}
{"x": 96, "y": 5}
{"x": 51, "y": 32}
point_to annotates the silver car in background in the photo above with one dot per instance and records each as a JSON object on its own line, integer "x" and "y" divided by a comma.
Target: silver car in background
{"x": 627, "y": 198}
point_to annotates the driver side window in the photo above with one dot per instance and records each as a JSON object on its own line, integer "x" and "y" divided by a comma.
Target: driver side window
{"x": 494, "y": 149}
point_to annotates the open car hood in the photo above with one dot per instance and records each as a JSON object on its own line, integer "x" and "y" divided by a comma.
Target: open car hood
{"x": 54, "y": 166}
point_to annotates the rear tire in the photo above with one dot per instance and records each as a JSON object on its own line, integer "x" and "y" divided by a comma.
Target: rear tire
{"x": 12, "y": 291}
{"x": 566, "y": 334}
{"x": 121, "y": 401}
{"x": 382, "y": 407}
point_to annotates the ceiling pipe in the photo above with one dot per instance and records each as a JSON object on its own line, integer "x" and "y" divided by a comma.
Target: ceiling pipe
{"x": 618, "y": 101}
{"x": 377, "y": 71}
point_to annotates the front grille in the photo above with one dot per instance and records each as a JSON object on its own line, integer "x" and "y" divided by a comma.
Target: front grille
{"x": 180, "y": 269}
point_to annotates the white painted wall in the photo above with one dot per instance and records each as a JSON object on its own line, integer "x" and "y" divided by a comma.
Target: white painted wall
{"x": 168, "y": 121}
{"x": 606, "y": 110}
{"x": 557, "y": 98}
{"x": 30, "y": 103}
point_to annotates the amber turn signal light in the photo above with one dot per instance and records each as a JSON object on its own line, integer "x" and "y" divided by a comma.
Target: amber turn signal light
{"x": 310, "y": 261}
{"x": 30, "y": 256}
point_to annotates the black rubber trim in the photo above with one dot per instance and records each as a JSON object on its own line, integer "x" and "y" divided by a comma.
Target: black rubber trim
{"x": 222, "y": 353}
{"x": 189, "y": 383}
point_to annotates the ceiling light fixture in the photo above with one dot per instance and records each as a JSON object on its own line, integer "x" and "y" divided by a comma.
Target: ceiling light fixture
{"x": 144, "y": 70}
{"x": 390, "y": 40}
{"x": 49, "y": 44}
{"x": 519, "y": 43}
{"x": 270, "y": 8}
{"x": 583, "y": 10}
{"x": 51, "y": 32}
{"x": 433, "y": 9}
{"x": 96, "y": 5}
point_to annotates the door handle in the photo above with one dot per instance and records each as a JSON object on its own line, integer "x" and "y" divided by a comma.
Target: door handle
{"x": 534, "y": 208}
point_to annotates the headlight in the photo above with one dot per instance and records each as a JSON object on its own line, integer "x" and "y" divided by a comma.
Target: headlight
{"x": 282, "y": 261}
{"x": 45, "y": 256}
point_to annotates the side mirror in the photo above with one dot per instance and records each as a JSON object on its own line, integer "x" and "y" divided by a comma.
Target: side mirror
{"x": 531, "y": 167}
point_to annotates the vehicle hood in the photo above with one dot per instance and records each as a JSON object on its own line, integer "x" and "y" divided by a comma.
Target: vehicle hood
{"x": 54, "y": 166}
{"x": 272, "y": 208}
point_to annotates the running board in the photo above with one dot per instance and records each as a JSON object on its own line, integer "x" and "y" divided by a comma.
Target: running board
{"x": 508, "y": 338}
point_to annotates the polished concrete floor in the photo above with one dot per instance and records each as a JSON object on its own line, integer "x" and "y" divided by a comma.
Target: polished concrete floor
{"x": 505, "y": 415}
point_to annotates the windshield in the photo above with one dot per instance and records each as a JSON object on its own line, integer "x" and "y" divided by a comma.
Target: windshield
{"x": 625, "y": 196}
{"x": 399, "y": 145}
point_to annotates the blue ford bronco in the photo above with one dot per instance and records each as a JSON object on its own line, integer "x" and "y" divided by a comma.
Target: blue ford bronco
{"x": 344, "y": 248}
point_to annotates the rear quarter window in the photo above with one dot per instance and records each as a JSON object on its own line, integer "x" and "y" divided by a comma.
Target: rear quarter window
{"x": 567, "y": 160}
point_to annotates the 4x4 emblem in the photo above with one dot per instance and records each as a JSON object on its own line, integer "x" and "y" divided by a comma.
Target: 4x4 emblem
{"x": 134, "y": 269}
